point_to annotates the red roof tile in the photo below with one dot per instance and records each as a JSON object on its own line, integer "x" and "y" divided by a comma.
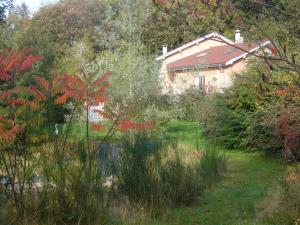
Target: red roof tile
{"x": 214, "y": 56}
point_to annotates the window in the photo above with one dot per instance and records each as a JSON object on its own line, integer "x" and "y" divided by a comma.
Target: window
{"x": 200, "y": 82}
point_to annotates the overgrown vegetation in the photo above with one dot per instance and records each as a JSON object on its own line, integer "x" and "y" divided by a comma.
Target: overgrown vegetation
{"x": 254, "y": 114}
{"x": 51, "y": 77}
{"x": 155, "y": 175}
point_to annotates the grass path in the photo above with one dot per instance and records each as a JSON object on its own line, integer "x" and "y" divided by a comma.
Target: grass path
{"x": 232, "y": 201}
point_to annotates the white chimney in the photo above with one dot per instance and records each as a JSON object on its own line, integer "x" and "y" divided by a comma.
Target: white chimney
{"x": 164, "y": 49}
{"x": 238, "y": 37}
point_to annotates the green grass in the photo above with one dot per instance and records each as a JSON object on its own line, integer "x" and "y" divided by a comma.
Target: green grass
{"x": 184, "y": 132}
{"x": 232, "y": 201}
{"x": 78, "y": 131}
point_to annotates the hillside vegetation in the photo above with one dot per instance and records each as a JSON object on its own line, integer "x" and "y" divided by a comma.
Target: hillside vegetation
{"x": 197, "y": 158}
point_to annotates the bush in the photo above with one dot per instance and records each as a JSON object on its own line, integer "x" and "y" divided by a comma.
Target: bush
{"x": 68, "y": 189}
{"x": 181, "y": 107}
{"x": 139, "y": 173}
{"x": 246, "y": 115}
{"x": 157, "y": 175}
{"x": 186, "y": 176}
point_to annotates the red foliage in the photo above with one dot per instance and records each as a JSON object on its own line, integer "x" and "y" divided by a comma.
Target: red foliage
{"x": 8, "y": 134}
{"x": 12, "y": 61}
{"x": 13, "y": 96}
{"x": 94, "y": 94}
{"x": 43, "y": 83}
{"x": 27, "y": 63}
{"x": 73, "y": 87}
{"x": 281, "y": 92}
{"x": 288, "y": 132}
{"x": 98, "y": 127}
{"x": 126, "y": 124}
{"x": 101, "y": 79}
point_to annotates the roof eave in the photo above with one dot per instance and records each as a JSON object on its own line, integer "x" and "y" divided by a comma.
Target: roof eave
{"x": 197, "y": 41}
{"x": 232, "y": 61}
{"x": 195, "y": 67}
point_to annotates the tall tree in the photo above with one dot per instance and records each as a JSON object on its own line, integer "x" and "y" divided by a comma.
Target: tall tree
{"x": 174, "y": 22}
{"x": 5, "y": 5}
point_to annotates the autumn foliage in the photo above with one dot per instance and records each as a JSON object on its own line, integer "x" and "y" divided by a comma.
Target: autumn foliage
{"x": 94, "y": 93}
{"x": 14, "y": 99}
{"x": 288, "y": 128}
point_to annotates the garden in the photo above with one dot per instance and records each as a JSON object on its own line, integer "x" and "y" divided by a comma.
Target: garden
{"x": 87, "y": 136}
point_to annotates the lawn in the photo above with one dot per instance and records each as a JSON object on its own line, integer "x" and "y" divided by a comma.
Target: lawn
{"x": 184, "y": 132}
{"x": 232, "y": 201}
{"x": 78, "y": 131}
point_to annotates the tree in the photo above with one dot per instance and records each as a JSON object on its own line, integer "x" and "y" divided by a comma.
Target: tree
{"x": 17, "y": 104}
{"x": 18, "y": 18}
{"x": 5, "y": 5}
{"x": 176, "y": 22}
{"x": 11, "y": 65}
{"x": 135, "y": 79}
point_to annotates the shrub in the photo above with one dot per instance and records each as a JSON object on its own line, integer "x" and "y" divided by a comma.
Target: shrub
{"x": 139, "y": 173}
{"x": 69, "y": 188}
{"x": 186, "y": 177}
{"x": 245, "y": 116}
{"x": 182, "y": 107}
{"x": 156, "y": 175}
{"x": 182, "y": 182}
{"x": 212, "y": 165}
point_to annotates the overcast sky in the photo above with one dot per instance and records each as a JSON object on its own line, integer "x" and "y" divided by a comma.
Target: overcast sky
{"x": 34, "y": 4}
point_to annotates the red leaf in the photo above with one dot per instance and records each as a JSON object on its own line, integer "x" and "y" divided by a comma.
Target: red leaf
{"x": 98, "y": 127}
{"x": 3, "y": 74}
{"x": 102, "y": 79}
{"x": 126, "y": 125}
{"x": 281, "y": 92}
{"x": 15, "y": 102}
{"x": 27, "y": 63}
{"x": 4, "y": 95}
{"x": 61, "y": 99}
{"x": 42, "y": 82}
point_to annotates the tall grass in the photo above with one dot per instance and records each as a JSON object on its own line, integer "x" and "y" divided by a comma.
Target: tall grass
{"x": 70, "y": 191}
{"x": 156, "y": 177}
{"x": 139, "y": 173}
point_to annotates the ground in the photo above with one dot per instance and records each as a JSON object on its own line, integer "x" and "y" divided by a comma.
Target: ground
{"x": 249, "y": 177}
{"x": 233, "y": 200}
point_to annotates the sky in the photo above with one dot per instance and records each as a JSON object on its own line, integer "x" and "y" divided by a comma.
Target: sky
{"x": 34, "y": 4}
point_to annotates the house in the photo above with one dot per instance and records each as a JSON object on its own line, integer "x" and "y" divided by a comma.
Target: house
{"x": 207, "y": 63}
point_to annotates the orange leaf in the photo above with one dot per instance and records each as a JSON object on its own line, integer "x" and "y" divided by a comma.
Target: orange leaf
{"x": 98, "y": 127}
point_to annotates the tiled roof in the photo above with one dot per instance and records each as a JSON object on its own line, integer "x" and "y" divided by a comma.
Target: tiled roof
{"x": 210, "y": 36}
{"x": 223, "y": 55}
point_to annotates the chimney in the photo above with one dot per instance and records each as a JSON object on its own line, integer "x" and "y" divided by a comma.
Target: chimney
{"x": 238, "y": 37}
{"x": 164, "y": 49}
